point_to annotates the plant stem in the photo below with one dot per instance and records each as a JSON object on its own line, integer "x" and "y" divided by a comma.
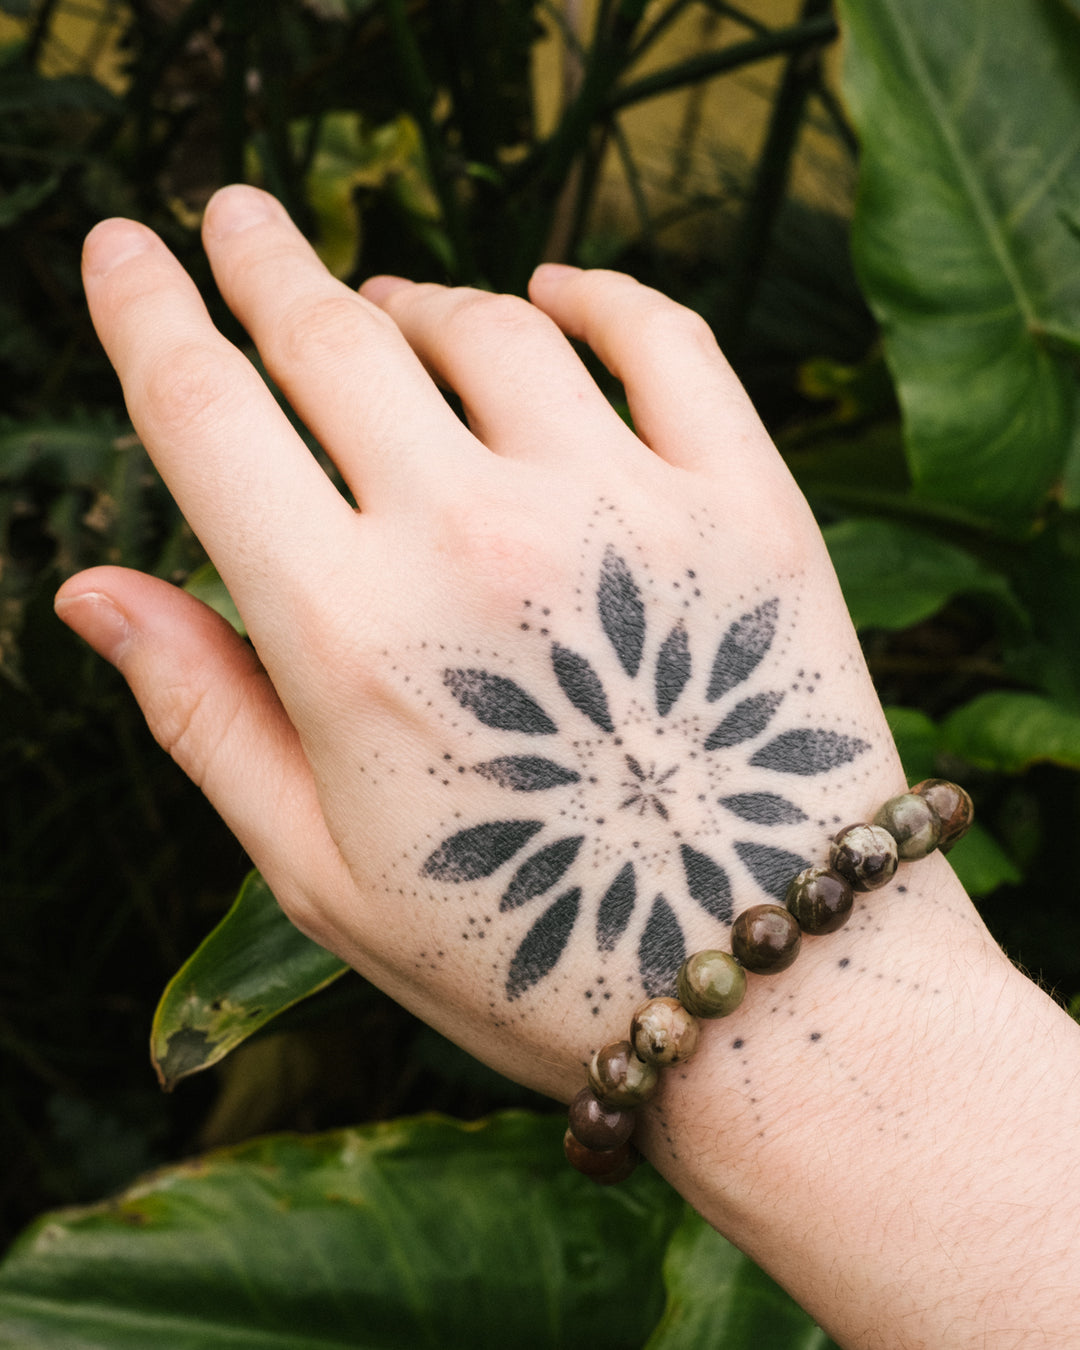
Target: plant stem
{"x": 758, "y": 220}
{"x": 420, "y": 97}
{"x": 796, "y": 37}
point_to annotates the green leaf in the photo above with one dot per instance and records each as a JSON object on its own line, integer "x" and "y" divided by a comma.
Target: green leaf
{"x": 718, "y": 1297}
{"x": 205, "y": 584}
{"x": 418, "y": 1233}
{"x": 894, "y": 576}
{"x": 981, "y": 864}
{"x": 254, "y": 965}
{"x": 969, "y": 118}
{"x": 1007, "y": 732}
{"x": 916, "y": 737}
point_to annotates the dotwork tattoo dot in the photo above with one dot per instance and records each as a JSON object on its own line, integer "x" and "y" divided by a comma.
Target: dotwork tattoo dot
{"x": 641, "y": 725}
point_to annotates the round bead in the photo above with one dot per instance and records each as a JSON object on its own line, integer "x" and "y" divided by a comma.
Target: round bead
{"x": 913, "y": 823}
{"x": 820, "y": 900}
{"x": 865, "y": 856}
{"x": 619, "y": 1078}
{"x": 711, "y": 984}
{"x": 663, "y": 1032}
{"x": 604, "y": 1166}
{"x": 766, "y": 939}
{"x": 597, "y": 1126}
{"x": 953, "y": 806}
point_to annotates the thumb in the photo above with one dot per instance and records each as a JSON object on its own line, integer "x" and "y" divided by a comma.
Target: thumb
{"x": 210, "y": 704}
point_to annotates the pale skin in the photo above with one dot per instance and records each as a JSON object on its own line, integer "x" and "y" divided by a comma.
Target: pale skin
{"x": 413, "y": 750}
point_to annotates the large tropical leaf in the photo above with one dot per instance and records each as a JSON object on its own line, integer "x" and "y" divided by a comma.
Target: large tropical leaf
{"x": 252, "y": 967}
{"x": 894, "y": 576}
{"x": 718, "y": 1297}
{"x": 1007, "y": 732}
{"x": 967, "y": 237}
{"x": 416, "y": 1235}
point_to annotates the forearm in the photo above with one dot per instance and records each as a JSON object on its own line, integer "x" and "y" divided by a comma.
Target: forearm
{"x": 957, "y": 1213}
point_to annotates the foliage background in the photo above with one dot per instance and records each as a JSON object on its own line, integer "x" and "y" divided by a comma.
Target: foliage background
{"x": 929, "y": 409}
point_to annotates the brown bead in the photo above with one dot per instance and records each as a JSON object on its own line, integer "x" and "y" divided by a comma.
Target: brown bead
{"x": 663, "y": 1032}
{"x": 711, "y": 984}
{"x": 619, "y": 1078}
{"x": 766, "y": 939}
{"x": 913, "y": 823}
{"x": 598, "y": 1126}
{"x": 604, "y": 1166}
{"x": 953, "y": 806}
{"x": 820, "y": 900}
{"x": 865, "y": 856}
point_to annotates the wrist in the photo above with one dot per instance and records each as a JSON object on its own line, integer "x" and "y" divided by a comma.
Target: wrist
{"x": 912, "y": 1019}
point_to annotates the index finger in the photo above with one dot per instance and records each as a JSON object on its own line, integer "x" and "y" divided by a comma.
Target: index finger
{"x": 247, "y": 484}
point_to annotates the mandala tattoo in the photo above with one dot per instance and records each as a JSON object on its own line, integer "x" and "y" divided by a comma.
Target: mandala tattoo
{"x": 588, "y": 769}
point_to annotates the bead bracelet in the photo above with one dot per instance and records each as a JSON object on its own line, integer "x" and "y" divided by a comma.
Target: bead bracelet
{"x": 765, "y": 939}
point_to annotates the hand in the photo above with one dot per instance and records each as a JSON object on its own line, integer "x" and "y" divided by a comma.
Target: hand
{"x": 524, "y": 728}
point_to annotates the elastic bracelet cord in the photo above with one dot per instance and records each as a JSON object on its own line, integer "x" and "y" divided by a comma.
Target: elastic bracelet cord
{"x": 765, "y": 939}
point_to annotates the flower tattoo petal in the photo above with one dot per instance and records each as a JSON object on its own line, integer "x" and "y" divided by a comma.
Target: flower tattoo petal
{"x": 540, "y": 872}
{"x": 772, "y": 868}
{"x": 744, "y": 645}
{"x": 543, "y": 944}
{"x": 707, "y": 883}
{"x": 616, "y": 908}
{"x": 478, "y": 852}
{"x": 498, "y": 702}
{"x": 745, "y": 721}
{"x": 662, "y": 950}
{"x": 622, "y": 611}
{"x": 764, "y": 808}
{"x": 672, "y": 669}
{"x": 527, "y": 773}
{"x": 581, "y": 685}
{"x": 808, "y": 752}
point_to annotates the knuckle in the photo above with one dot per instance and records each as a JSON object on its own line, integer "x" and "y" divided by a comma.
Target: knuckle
{"x": 193, "y": 720}
{"x": 664, "y": 324}
{"x": 188, "y": 387}
{"x": 494, "y": 317}
{"x": 323, "y": 329}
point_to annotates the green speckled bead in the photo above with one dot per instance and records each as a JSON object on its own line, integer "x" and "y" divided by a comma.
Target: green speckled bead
{"x": 865, "y": 856}
{"x": 604, "y": 1166}
{"x": 663, "y": 1032}
{"x": 619, "y": 1078}
{"x": 711, "y": 984}
{"x": 766, "y": 939}
{"x": 913, "y": 823}
{"x": 953, "y": 806}
{"x": 597, "y": 1126}
{"x": 820, "y": 900}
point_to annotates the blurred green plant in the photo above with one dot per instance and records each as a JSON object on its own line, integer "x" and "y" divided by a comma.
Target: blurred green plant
{"x": 939, "y": 451}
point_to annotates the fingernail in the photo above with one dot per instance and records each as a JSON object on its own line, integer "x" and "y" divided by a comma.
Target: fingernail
{"x": 112, "y": 242}
{"x": 98, "y": 621}
{"x": 376, "y": 289}
{"x": 555, "y": 272}
{"x": 234, "y": 209}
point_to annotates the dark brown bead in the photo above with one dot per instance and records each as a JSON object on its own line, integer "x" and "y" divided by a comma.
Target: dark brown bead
{"x": 913, "y": 823}
{"x": 766, "y": 939}
{"x": 711, "y": 984}
{"x": 953, "y": 806}
{"x": 820, "y": 900}
{"x": 598, "y": 1126}
{"x": 663, "y": 1032}
{"x": 604, "y": 1166}
{"x": 619, "y": 1078}
{"x": 865, "y": 856}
